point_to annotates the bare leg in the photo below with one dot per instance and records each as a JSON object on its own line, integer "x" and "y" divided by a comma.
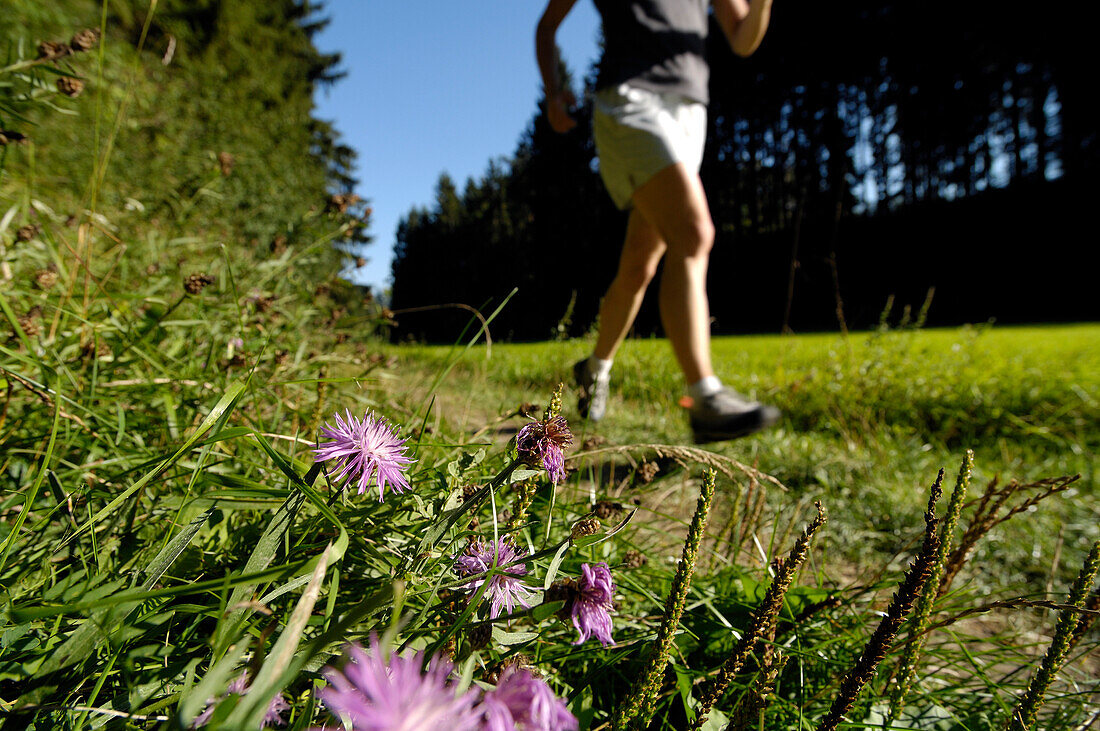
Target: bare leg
{"x": 642, "y": 250}
{"x": 675, "y": 205}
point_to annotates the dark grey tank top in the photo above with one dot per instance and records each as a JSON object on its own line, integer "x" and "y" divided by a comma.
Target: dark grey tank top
{"x": 655, "y": 44}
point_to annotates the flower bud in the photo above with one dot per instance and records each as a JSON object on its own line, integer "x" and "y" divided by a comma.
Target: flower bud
{"x": 585, "y": 527}
{"x": 45, "y": 279}
{"x": 69, "y": 86}
{"x": 84, "y": 40}
{"x": 197, "y": 282}
{"x": 49, "y": 50}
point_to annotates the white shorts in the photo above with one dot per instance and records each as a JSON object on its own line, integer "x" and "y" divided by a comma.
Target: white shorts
{"x": 640, "y": 132}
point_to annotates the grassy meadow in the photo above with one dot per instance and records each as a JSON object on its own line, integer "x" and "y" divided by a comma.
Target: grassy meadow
{"x": 163, "y": 512}
{"x": 868, "y": 418}
{"x": 173, "y": 554}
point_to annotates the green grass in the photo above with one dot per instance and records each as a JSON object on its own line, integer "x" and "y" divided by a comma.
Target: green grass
{"x": 161, "y": 521}
{"x": 164, "y": 528}
{"x": 868, "y": 419}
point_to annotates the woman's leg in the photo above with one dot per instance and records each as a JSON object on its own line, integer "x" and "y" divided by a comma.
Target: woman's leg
{"x": 643, "y": 248}
{"x": 674, "y": 205}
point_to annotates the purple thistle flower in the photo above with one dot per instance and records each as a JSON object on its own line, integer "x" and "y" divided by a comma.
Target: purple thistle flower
{"x": 522, "y": 700}
{"x": 386, "y": 692}
{"x": 364, "y": 450}
{"x": 239, "y": 686}
{"x": 540, "y": 443}
{"x": 594, "y": 597}
{"x": 505, "y": 589}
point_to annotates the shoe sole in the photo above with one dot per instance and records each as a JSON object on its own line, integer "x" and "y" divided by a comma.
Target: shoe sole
{"x": 761, "y": 419}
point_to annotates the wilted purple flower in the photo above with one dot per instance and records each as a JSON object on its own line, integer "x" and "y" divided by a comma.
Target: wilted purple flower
{"x": 364, "y": 450}
{"x": 505, "y": 589}
{"x": 594, "y": 597}
{"x": 239, "y": 686}
{"x": 521, "y": 700}
{"x": 386, "y": 692}
{"x": 540, "y": 444}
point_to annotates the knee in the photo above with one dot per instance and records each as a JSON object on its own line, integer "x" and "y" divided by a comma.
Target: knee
{"x": 695, "y": 240}
{"x": 636, "y": 277}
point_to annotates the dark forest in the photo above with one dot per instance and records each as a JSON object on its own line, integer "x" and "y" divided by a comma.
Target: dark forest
{"x": 869, "y": 155}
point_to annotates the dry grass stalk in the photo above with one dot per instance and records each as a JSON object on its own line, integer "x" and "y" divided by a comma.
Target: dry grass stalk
{"x": 685, "y": 455}
{"x": 1092, "y": 610}
{"x": 763, "y": 621}
{"x": 1027, "y": 709}
{"x": 1088, "y": 613}
{"x": 987, "y": 516}
{"x": 639, "y": 706}
{"x": 879, "y": 644}
{"x": 747, "y": 505}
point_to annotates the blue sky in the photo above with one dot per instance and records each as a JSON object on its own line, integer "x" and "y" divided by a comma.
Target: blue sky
{"x": 435, "y": 86}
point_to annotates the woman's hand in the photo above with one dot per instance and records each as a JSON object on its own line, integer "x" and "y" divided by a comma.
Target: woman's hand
{"x": 557, "y": 110}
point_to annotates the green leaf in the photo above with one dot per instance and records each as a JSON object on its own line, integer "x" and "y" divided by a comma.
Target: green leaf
{"x": 273, "y": 676}
{"x": 88, "y": 636}
{"x": 546, "y": 609}
{"x": 446, "y": 521}
{"x": 555, "y": 563}
{"x": 716, "y": 721}
{"x": 238, "y": 610}
{"x": 211, "y": 685}
{"x": 219, "y": 412}
{"x": 507, "y": 639}
{"x": 172, "y": 551}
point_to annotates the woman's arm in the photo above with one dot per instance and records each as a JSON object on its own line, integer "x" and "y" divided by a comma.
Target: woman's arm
{"x": 558, "y": 100}
{"x": 743, "y": 23}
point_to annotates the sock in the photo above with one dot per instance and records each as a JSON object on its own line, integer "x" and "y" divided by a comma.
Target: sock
{"x": 599, "y": 367}
{"x": 705, "y": 387}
